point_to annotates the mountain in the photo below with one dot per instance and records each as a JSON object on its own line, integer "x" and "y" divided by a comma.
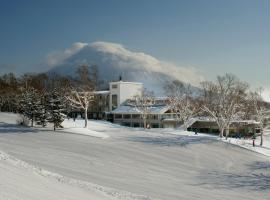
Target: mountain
{"x": 114, "y": 60}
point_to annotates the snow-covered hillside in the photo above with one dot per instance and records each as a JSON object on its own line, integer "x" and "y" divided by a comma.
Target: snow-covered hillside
{"x": 20, "y": 180}
{"x": 129, "y": 164}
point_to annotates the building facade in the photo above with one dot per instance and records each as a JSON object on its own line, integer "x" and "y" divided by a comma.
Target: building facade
{"x": 121, "y": 91}
{"x": 112, "y": 105}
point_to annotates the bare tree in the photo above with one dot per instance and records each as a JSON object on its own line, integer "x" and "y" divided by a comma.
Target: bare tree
{"x": 143, "y": 104}
{"x": 181, "y": 102}
{"x": 261, "y": 110}
{"x": 223, "y": 100}
{"x": 88, "y": 76}
{"x": 81, "y": 99}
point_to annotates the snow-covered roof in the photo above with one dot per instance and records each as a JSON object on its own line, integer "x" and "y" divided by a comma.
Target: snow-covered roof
{"x": 207, "y": 119}
{"x": 126, "y": 82}
{"x": 126, "y": 109}
{"x": 102, "y": 92}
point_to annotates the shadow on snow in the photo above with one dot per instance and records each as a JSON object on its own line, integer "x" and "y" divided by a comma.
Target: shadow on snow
{"x": 16, "y": 129}
{"x": 173, "y": 140}
{"x": 257, "y": 177}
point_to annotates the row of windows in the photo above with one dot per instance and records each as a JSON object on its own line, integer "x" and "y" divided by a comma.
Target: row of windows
{"x": 137, "y": 125}
{"x": 135, "y": 116}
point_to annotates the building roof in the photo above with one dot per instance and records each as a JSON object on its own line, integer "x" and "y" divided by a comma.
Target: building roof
{"x": 102, "y": 92}
{"x": 126, "y": 82}
{"x": 206, "y": 119}
{"x": 126, "y": 109}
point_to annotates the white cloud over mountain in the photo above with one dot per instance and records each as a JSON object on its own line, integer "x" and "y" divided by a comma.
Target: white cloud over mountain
{"x": 117, "y": 56}
{"x": 57, "y": 58}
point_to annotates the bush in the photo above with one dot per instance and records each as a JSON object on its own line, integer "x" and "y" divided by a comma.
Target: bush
{"x": 23, "y": 120}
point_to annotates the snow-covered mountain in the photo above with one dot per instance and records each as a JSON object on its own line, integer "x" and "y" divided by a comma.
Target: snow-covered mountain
{"x": 114, "y": 60}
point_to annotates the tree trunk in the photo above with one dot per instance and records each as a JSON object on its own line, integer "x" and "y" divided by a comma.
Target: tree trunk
{"x": 227, "y": 132}
{"x": 221, "y": 130}
{"x": 32, "y": 121}
{"x": 184, "y": 126}
{"x": 261, "y": 143}
{"x": 144, "y": 122}
{"x": 85, "y": 118}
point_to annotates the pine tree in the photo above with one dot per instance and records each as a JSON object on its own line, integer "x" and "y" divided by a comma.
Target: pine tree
{"x": 29, "y": 104}
{"x": 56, "y": 109}
{"x": 42, "y": 115}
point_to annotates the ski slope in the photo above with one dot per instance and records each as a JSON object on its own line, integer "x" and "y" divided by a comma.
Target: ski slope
{"x": 130, "y": 164}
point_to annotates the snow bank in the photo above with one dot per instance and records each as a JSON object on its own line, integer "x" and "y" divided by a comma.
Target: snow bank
{"x": 247, "y": 144}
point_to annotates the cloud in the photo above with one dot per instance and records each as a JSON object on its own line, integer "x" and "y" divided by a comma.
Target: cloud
{"x": 125, "y": 59}
{"x": 142, "y": 61}
{"x": 57, "y": 58}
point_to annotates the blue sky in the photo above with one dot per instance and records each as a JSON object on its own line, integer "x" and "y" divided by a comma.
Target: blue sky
{"x": 214, "y": 36}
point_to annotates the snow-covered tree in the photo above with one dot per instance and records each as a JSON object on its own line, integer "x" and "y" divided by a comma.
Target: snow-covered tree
{"x": 181, "y": 102}
{"x": 143, "y": 104}
{"x": 42, "y": 115}
{"x": 223, "y": 100}
{"x": 81, "y": 99}
{"x": 56, "y": 110}
{"x": 29, "y": 104}
{"x": 261, "y": 110}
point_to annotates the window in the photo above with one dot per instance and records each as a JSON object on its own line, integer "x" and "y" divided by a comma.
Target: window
{"x": 114, "y": 101}
{"x": 154, "y": 116}
{"x": 155, "y": 125}
{"x": 136, "y": 116}
{"x": 118, "y": 116}
{"x": 114, "y": 86}
{"x": 126, "y": 116}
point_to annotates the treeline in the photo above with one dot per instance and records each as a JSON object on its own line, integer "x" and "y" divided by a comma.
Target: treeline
{"x": 40, "y": 98}
{"x": 13, "y": 87}
{"x": 224, "y": 100}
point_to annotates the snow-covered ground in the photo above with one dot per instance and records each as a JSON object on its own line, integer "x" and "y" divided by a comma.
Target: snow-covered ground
{"x": 248, "y": 144}
{"x": 20, "y": 180}
{"x": 77, "y": 127}
{"x": 128, "y": 164}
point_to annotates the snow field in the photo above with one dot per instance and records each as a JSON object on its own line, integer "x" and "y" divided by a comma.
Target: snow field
{"x": 139, "y": 164}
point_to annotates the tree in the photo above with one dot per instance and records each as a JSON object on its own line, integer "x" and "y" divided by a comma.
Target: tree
{"x": 223, "y": 100}
{"x": 143, "y": 104}
{"x": 42, "y": 115}
{"x": 29, "y": 104}
{"x": 56, "y": 110}
{"x": 81, "y": 99}
{"x": 181, "y": 102}
{"x": 261, "y": 110}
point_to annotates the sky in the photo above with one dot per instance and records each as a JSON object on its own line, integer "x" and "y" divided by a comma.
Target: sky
{"x": 213, "y": 36}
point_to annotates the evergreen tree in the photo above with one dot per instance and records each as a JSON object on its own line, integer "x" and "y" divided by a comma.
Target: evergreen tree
{"x": 56, "y": 109}
{"x": 42, "y": 115}
{"x": 28, "y": 105}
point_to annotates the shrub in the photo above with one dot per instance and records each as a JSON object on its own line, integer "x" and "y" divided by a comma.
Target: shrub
{"x": 23, "y": 120}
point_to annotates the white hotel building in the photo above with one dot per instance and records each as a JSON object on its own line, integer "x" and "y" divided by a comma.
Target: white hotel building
{"x": 112, "y": 105}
